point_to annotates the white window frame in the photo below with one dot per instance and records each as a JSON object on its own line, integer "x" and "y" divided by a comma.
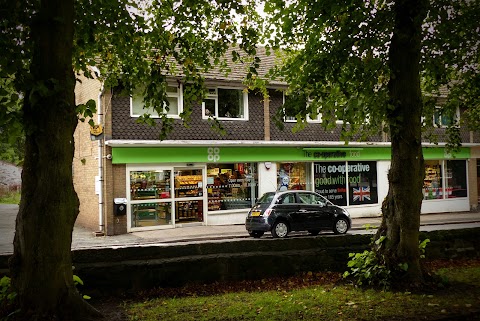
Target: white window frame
{"x": 213, "y": 95}
{"x": 456, "y": 120}
{"x": 153, "y": 114}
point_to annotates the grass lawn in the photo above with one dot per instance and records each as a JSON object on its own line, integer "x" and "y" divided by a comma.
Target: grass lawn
{"x": 9, "y": 197}
{"x": 315, "y": 296}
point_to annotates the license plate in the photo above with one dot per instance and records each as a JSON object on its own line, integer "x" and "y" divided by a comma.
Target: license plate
{"x": 256, "y": 213}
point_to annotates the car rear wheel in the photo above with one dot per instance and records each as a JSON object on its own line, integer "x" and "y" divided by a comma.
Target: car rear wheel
{"x": 280, "y": 229}
{"x": 340, "y": 226}
{"x": 313, "y": 232}
{"x": 256, "y": 234}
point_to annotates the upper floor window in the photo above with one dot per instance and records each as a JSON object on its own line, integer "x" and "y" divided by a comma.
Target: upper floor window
{"x": 226, "y": 103}
{"x": 174, "y": 108}
{"x": 291, "y": 116}
{"x": 442, "y": 120}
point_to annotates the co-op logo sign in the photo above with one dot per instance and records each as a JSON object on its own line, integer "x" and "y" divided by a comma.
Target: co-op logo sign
{"x": 213, "y": 154}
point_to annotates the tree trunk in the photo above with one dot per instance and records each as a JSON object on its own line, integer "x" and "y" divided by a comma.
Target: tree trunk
{"x": 401, "y": 208}
{"x": 41, "y": 265}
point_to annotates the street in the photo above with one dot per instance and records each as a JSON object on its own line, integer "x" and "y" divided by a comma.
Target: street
{"x": 83, "y": 238}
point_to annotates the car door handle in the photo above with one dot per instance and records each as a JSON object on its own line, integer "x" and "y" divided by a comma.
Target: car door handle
{"x": 303, "y": 211}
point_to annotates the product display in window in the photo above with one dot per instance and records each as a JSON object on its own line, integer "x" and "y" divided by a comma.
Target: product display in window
{"x": 190, "y": 211}
{"x": 432, "y": 184}
{"x": 445, "y": 179}
{"x": 150, "y": 214}
{"x": 150, "y": 190}
{"x": 231, "y": 186}
{"x": 188, "y": 183}
{"x": 146, "y": 185}
{"x": 291, "y": 176}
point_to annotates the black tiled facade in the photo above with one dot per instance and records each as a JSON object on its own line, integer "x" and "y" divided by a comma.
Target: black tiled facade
{"x": 312, "y": 132}
{"x": 125, "y": 127}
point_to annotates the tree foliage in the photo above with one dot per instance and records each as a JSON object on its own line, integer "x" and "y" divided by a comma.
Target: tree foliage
{"x": 382, "y": 66}
{"x": 12, "y": 139}
{"x": 154, "y": 40}
{"x": 135, "y": 46}
{"x": 342, "y": 51}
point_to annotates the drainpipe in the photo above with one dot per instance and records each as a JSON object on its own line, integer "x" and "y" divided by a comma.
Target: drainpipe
{"x": 101, "y": 224}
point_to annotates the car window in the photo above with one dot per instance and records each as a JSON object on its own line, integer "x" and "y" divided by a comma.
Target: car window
{"x": 319, "y": 200}
{"x": 306, "y": 198}
{"x": 266, "y": 198}
{"x": 288, "y": 199}
{"x": 312, "y": 199}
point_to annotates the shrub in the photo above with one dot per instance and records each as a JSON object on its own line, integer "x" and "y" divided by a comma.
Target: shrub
{"x": 369, "y": 267}
{"x": 7, "y": 299}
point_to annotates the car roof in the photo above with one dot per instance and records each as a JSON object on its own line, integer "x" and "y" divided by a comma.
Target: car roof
{"x": 296, "y": 191}
{"x": 293, "y": 191}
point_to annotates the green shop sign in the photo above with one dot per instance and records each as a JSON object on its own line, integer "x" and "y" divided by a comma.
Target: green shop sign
{"x": 230, "y": 154}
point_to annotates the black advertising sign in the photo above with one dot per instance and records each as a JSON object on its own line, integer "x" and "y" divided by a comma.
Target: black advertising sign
{"x": 330, "y": 180}
{"x": 362, "y": 179}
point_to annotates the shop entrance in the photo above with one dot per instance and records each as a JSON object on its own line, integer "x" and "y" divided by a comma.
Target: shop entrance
{"x": 189, "y": 195}
{"x": 165, "y": 196}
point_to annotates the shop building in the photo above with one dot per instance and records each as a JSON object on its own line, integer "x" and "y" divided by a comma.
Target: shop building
{"x": 128, "y": 180}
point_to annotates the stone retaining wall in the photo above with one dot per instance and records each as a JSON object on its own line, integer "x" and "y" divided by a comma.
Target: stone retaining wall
{"x": 129, "y": 269}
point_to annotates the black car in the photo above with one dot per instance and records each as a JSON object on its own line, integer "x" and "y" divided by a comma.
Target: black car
{"x": 283, "y": 212}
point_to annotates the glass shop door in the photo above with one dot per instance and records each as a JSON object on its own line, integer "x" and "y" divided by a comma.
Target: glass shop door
{"x": 189, "y": 195}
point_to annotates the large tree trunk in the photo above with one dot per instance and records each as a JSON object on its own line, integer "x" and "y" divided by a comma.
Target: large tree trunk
{"x": 42, "y": 265}
{"x": 401, "y": 208}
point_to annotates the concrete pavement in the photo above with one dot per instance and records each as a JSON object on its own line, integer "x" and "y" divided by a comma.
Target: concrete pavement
{"x": 83, "y": 238}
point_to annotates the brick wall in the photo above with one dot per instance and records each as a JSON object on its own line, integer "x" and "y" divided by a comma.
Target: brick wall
{"x": 115, "y": 177}
{"x": 85, "y": 160}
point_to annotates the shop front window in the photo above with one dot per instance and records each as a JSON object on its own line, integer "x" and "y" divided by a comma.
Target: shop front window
{"x": 149, "y": 185}
{"x": 456, "y": 179}
{"x": 433, "y": 183}
{"x": 151, "y": 214}
{"x": 291, "y": 176}
{"x": 445, "y": 179}
{"x": 231, "y": 186}
{"x": 150, "y": 196}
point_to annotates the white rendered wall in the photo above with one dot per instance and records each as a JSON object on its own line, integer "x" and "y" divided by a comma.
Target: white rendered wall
{"x": 267, "y": 178}
{"x": 232, "y": 217}
{"x": 446, "y": 205}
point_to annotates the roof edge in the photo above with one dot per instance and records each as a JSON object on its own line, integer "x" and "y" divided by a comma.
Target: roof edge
{"x": 243, "y": 143}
